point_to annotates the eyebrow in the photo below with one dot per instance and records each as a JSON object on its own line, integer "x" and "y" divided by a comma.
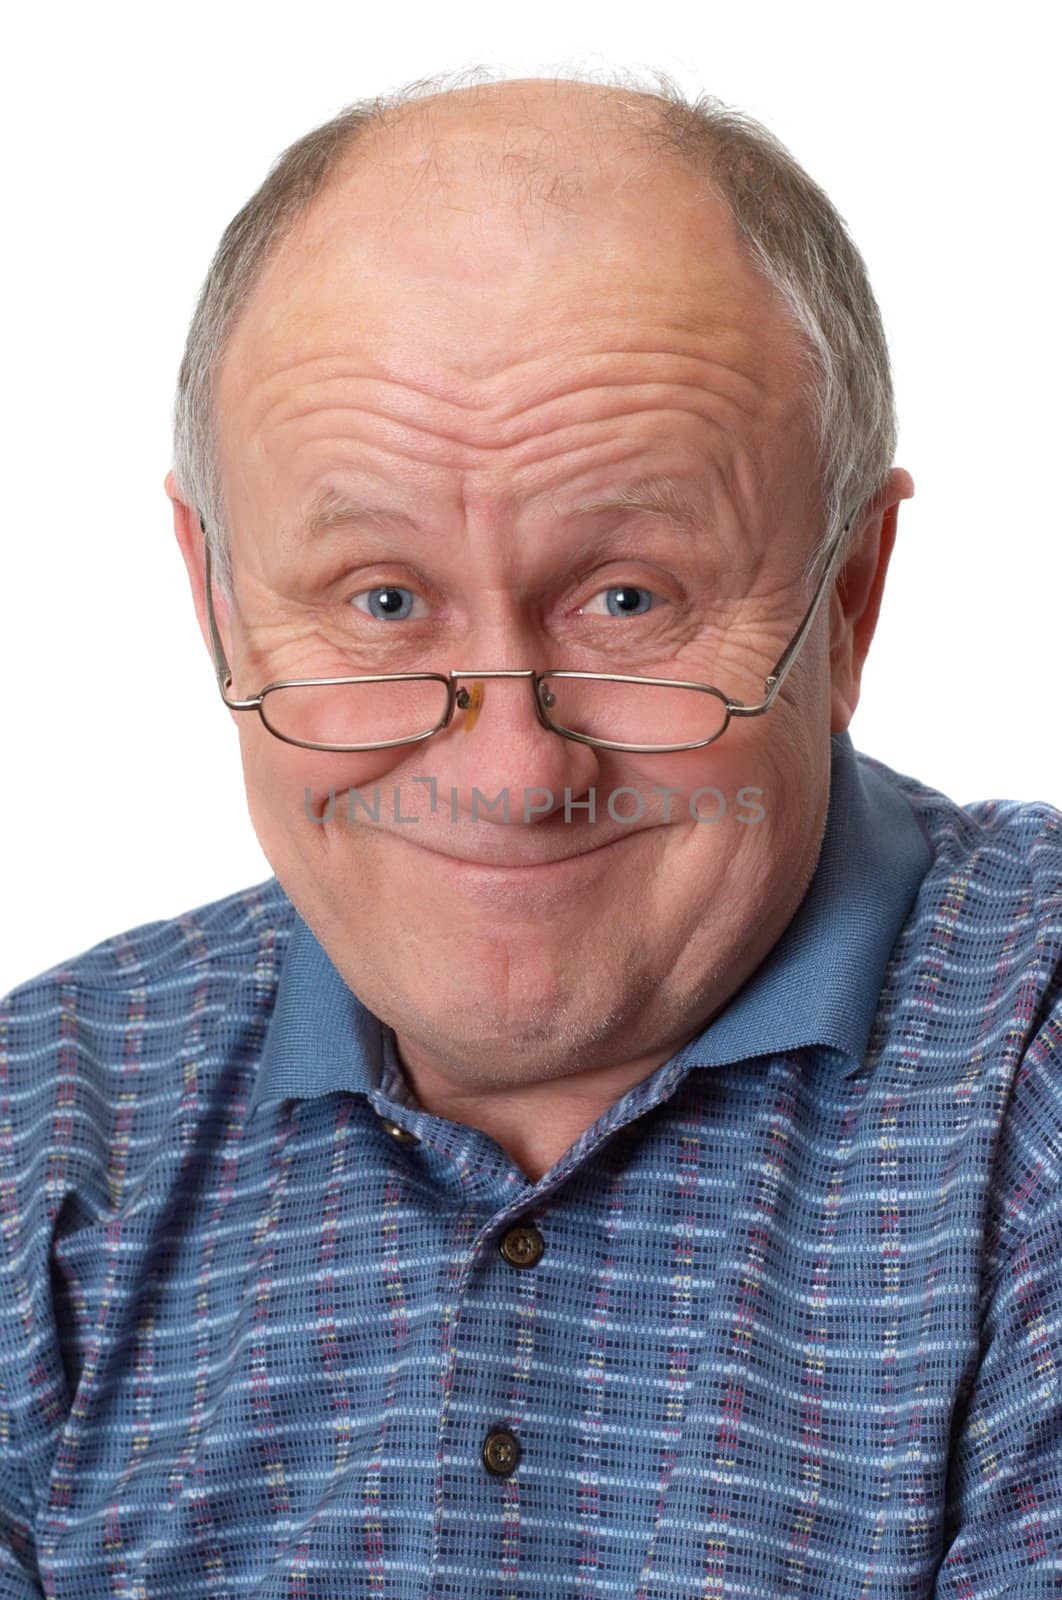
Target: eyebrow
{"x": 658, "y": 494}
{"x": 331, "y": 507}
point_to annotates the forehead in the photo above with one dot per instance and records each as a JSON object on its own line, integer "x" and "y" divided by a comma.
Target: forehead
{"x": 459, "y": 274}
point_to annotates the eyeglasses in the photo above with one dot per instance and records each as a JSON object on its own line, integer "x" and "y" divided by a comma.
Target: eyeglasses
{"x": 609, "y": 710}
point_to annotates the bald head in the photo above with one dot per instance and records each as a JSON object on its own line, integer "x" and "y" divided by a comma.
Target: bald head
{"x": 483, "y": 171}
{"x": 532, "y": 133}
{"x": 493, "y": 219}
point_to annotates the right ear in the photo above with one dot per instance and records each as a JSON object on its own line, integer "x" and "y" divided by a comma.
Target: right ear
{"x": 192, "y": 543}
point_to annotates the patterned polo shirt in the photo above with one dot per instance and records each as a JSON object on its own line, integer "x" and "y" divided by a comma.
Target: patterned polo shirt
{"x": 785, "y": 1321}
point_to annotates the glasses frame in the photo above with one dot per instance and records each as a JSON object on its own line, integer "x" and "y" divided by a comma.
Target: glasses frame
{"x": 458, "y": 699}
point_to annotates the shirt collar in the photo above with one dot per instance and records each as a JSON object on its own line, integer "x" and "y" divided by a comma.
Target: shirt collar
{"x": 818, "y": 985}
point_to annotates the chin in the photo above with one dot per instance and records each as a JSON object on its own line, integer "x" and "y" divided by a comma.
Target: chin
{"x": 478, "y": 1000}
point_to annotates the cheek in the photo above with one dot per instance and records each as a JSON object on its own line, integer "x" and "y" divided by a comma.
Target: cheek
{"x": 287, "y": 787}
{"x": 722, "y": 792}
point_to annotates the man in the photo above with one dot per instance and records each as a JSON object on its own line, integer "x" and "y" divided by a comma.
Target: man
{"x": 619, "y": 1151}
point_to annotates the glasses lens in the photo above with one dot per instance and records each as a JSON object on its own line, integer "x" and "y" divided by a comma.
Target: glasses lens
{"x": 350, "y": 715}
{"x": 645, "y": 714}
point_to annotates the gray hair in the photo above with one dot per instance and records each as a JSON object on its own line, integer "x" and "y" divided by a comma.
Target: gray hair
{"x": 793, "y": 234}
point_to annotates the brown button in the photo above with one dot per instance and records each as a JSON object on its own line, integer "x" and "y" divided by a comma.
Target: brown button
{"x": 522, "y": 1246}
{"x": 501, "y": 1452}
{"x": 403, "y": 1135}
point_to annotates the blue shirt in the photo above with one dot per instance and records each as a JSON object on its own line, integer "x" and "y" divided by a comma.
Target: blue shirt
{"x": 786, "y": 1321}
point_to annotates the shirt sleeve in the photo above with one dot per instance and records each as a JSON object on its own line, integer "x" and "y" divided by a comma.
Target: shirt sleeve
{"x": 15, "y": 1582}
{"x": 1004, "y": 1511}
{"x": 18, "y": 1571}
{"x": 33, "y": 1397}
{"x": 19, "y": 1578}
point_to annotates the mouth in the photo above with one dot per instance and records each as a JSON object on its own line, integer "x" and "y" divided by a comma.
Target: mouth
{"x": 529, "y": 871}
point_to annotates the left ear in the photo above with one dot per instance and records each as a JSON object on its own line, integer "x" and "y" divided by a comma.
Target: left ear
{"x": 856, "y": 598}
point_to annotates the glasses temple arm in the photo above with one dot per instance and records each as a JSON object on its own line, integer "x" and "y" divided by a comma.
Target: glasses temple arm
{"x": 775, "y": 678}
{"x": 221, "y": 665}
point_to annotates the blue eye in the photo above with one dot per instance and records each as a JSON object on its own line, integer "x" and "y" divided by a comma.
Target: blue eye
{"x": 388, "y": 602}
{"x": 624, "y": 600}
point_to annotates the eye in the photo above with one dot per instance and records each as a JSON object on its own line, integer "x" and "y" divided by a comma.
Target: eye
{"x": 622, "y": 600}
{"x": 387, "y": 602}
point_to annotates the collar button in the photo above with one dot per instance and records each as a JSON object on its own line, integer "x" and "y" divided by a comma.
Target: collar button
{"x": 402, "y": 1135}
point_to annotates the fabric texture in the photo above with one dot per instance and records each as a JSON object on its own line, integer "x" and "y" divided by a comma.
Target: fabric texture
{"x": 794, "y": 1330}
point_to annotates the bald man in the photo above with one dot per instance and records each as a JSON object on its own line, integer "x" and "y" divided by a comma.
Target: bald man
{"x": 618, "y": 1151}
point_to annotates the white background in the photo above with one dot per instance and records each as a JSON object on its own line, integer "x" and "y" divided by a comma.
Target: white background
{"x": 132, "y": 136}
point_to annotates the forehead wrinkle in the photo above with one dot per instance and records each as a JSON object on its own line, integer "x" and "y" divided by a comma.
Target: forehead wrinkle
{"x": 728, "y": 469}
{"x": 664, "y": 495}
{"x": 517, "y": 419}
{"x": 642, "y": 325}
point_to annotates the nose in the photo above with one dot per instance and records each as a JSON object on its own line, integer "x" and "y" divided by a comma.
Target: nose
{"x": 497, "y": 744}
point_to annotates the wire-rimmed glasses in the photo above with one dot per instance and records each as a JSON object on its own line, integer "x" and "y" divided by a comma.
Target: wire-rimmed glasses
{"x": 593, "y": 708}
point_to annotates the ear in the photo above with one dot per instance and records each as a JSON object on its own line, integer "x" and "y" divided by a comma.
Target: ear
{"x": 856, "y": 599}
{"x": 192, "y": 543}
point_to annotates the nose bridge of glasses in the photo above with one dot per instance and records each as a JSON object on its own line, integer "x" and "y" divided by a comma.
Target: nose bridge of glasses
{"x": 504, "y": 672}
{"x": 471, "y": 701}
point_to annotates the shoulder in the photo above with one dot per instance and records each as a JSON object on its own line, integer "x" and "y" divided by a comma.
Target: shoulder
{"x": 995, "y": 863}
{"x": 972, "y": 1013}
{"x": 151, "y": 1015}
{"x": 164, "y": 951}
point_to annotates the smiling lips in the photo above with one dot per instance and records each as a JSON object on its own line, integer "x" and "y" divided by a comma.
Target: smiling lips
{"x": 506, "y": 865}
